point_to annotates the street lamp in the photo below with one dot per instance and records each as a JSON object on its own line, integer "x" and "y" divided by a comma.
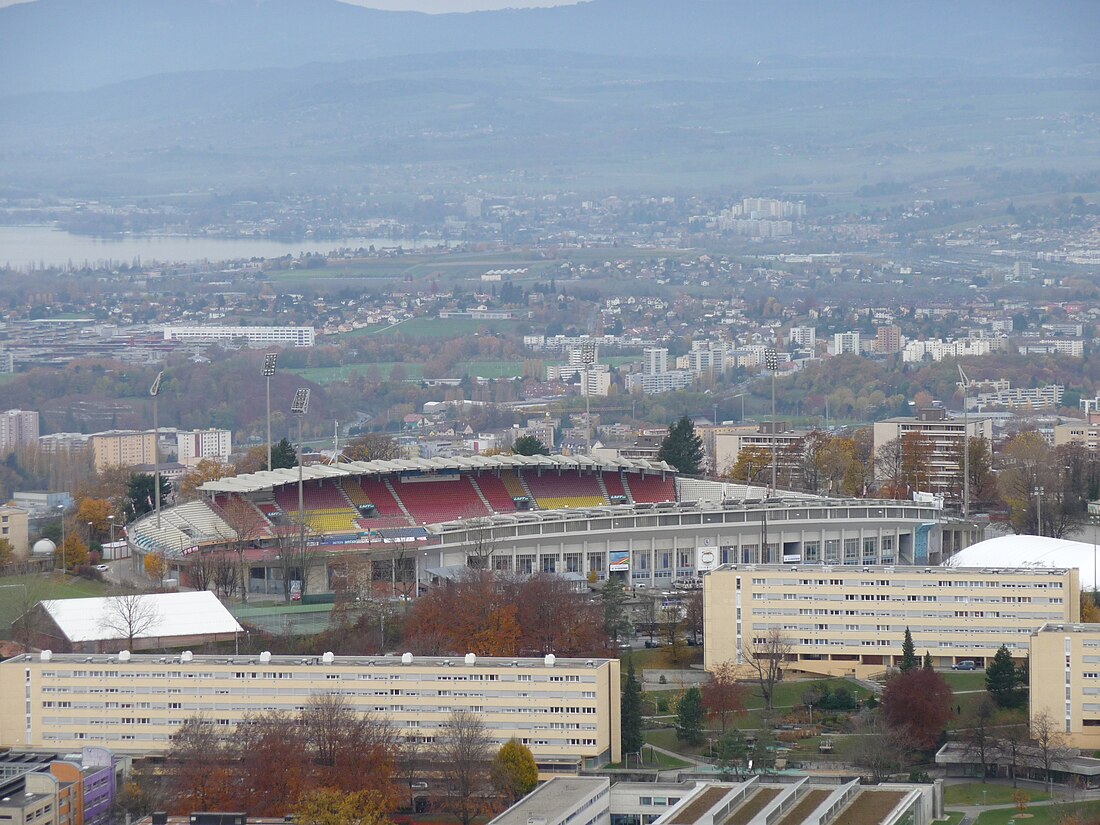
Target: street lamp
{"x": 155, "y": 391}
{"x": 268, "y": 371}
{"x": 1038, "y": 491}
{"x": 300, "y": 407}
{"x": 771, "y": 363}
{"x": 740, "y": 395}
{"x": 111, "y": 524}
{"x": 965, "y": 383}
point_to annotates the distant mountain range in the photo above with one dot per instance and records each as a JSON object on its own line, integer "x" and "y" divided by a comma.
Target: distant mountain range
{"x": 66, "y": 45}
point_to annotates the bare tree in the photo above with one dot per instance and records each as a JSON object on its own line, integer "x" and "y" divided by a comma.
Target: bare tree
{"x": 464, "y": 755}
{"x": 295, "y": 558}
{"x": 875, "y": 746}
{"x": 1046, "y": 736}
{"x": 694, "y": 615}
{"x": 480, "y": 542}
{"x": 978, "y": 735}
{"x": 409, "y": 756}
{"x": 765, "y": 655}
{"x": 129, "y": 616}
{"x": 248, "y": 525}
{"x": 225, "y": 572}
{"x": 1010, "y": 747}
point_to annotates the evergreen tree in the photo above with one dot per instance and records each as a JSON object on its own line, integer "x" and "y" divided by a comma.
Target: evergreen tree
{"x": 909, "y": 660}
{"x": 928, "y": 661}
{"x": 631, "y": 712}
{"x": 682, "y": 447}
{"x": 616, "y": 623}
{"x": 140, "y": 493}
{"x": 283, "y": 455}
{"x": 529, "y": 445}
{"x": 689, "y": 716}
{"x": 1003, "y": 680}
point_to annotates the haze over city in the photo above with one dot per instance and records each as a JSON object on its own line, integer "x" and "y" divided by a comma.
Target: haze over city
{"x": 472, "y": 412}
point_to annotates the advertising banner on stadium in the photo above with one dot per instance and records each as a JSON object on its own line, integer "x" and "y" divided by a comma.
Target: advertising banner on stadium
{"x": 618, "y": 560}
{"x": 706, "y": 556}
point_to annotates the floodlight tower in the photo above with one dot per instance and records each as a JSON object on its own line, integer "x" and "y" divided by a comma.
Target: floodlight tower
{"x": 155, "y": 391}
{"x": 964, "y": 382}
{"x": 268, "y": 371}
{"x": 771, "y": 363}
{"x": 300, "y": 407}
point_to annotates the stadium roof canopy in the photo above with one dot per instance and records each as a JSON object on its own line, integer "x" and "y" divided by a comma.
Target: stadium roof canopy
{"x": 269, "y": 479}
{"x": 1029, "y": 551}
{"x": 162, "y": 615}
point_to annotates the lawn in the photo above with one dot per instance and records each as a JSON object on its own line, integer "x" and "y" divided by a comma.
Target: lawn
{"x": 965, "y": 679}
{"x": 655, "y": 759}
{"x": 952, "y": 818}
{"x": 39, "y": 587}
{"x": 449, "y": 327}
{"x": 975, "y": 793}
{"x": 1043, "y": 815}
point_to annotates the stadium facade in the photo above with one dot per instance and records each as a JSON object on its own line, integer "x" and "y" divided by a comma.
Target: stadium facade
{"x": 570, "y": 515}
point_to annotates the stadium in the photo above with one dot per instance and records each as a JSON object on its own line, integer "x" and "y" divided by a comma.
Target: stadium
{"x": 572, "y": 515}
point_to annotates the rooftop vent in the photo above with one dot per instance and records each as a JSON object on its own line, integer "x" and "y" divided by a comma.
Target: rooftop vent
{"x": 265, "y": 657}
{"x": 406, "y": 658}
{"x": 124, "y": 655}
{"x": 470, "y": 659}
{"x": 549, "y": 660}
{"x": 45, "y": 655}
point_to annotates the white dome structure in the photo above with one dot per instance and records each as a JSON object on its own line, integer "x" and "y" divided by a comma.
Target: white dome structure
{"x": 44, "y": 547}
{"x": 1030, "y": 551}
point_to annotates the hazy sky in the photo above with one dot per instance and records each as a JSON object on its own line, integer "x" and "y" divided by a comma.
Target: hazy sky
{"x": 430, "y": 6}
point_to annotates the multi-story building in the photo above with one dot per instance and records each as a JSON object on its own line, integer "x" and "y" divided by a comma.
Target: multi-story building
{"x": 1020, "y": 397}
{"x": 803, "y": 338}
{"x": 1064, "y": 674}
{"x": 1080, "y": 432}
{"x": 14, "y": 527}
{"x": 655, "y": 360}
{"x": 846, "y": 343}
{"x": 34, "y": 798}
{"x": 940, "y": 444}
{"x": 1054, "y": 346}
{"x": 706, "y": 358}
{"x": 565, "y": 710}
{"x": 844, "y": 619}
{"x": 193, "y": 447}
{"x": 788, "y": 446}
{"x": 888, "y": 340}
{"x": 71, "y": 443}
{"x": 17, "y": 428}
{"x": 251, "y": 336}
{"x": 122, "y": 448}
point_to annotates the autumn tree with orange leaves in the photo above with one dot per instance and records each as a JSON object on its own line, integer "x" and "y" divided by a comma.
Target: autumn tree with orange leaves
{"x": 484, "y": 614}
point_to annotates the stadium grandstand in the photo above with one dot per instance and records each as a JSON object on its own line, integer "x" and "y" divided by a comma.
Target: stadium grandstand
{"x": 572, "y": 515}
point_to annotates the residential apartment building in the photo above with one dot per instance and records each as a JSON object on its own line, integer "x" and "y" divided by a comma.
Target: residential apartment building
{"x": 14, "y": 526}
{"x": 565, "y": 710}
{"x": 251, "y": 336}
{"x": 70, "y": 443}
{"x": 656, "y": 377}
{"x": 941, "y": 441}
{"x": 803, "y": 338}
{"x": 122, "y": 448}
{"x": 1064, "y": 674}
{"x": 1081, "y": 432}
{"x": 846, "y": 343}
{"x": 788, "y": 445}
{"x": 888, "y": 340}
{"x": 17, "y": 428}
{"x": 844, "y": 619}
{"x": 1054, "y": 346}
{"x": 193, "y": 447}
{"x": 1015, "y": 398}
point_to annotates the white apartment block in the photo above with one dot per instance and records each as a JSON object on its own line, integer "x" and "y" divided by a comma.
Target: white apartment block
{"x": 1054, "y": 346}
{"x": 1020, "y": 397}
{"x": 803, "y": 338}
{"x": 706, "y": 358}
{"x": 669, "y": 381}
{"x": 846, "y": 343}
{"x": 63, "y": 443}
{"x": 17, "y": 428}
{"x": 936, "y": 349}
{"x": 654, "y": 360}
{"x": 851, "y": 620}
{"x": 192, "y": 447}
{"x": 252, "y": 336}
{"x": 565, "y": 710}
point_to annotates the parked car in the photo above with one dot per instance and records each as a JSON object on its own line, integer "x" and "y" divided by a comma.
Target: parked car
{"x": 103, "y": 568}
{"x": 965, "y": 664}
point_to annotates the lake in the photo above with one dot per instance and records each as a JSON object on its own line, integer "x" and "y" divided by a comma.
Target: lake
{"x": 27, "y": 247}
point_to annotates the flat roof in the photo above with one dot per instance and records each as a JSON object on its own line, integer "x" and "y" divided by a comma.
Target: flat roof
{"x": 1066, "y": 627}
{"x": 313, "y": 659}
{"x": 163, "y": 615}
{"x": 804, "y": 567}
{"x": 551, "y": 800}
{"x": 269, "y": 479}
